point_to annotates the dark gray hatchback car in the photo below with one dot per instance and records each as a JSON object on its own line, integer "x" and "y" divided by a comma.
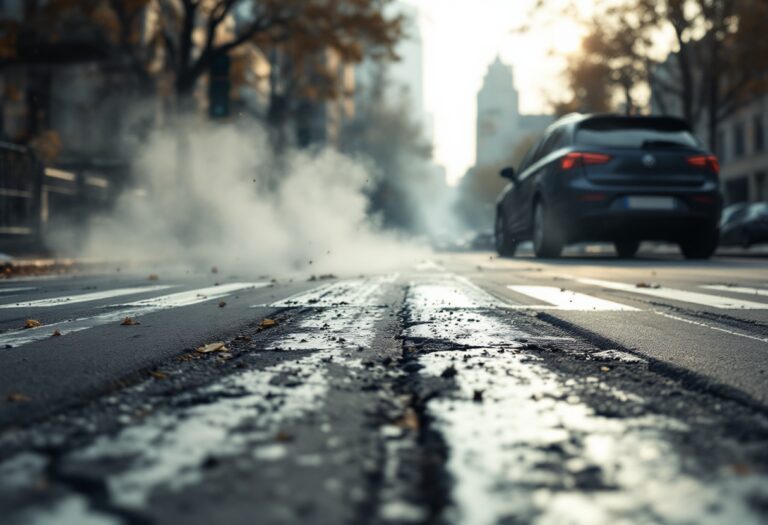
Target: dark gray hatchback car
{"x": 616, "y": 179}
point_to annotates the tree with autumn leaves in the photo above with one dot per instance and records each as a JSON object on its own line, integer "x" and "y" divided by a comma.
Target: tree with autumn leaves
{"x": 185, "y": 37}
{"x": 719, "y": 61}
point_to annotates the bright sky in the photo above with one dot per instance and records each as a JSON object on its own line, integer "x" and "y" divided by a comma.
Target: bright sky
{"x": 461, "y": 38}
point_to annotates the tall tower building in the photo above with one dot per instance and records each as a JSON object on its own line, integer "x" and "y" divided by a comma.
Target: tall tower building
{"x": 500, "y": 126}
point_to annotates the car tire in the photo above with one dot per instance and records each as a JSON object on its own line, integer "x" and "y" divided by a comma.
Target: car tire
{"x": 505, "y": 246}
{"x": 547, "y": 238}
{"x": 701, "y": 246}
{"x": 626, "y": 249}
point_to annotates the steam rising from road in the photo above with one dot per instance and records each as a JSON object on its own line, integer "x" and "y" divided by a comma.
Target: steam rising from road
{"x": 235, "y": 205}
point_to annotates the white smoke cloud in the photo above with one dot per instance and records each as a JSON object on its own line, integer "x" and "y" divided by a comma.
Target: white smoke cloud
{"x": 232, "y": 207}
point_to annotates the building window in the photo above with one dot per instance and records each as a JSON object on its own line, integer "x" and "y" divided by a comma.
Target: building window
{"x": 738, "y": 140}
{"x": 759, "y": 133}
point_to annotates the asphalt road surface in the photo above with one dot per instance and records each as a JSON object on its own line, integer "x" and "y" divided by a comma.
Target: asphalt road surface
{"x": 463, "y": 389}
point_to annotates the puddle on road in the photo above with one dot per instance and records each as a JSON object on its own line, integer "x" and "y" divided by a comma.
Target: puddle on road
{"x": 524, "y": 449}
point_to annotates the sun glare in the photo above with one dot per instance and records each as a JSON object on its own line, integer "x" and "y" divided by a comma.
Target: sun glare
{"x": 565, "y": 38}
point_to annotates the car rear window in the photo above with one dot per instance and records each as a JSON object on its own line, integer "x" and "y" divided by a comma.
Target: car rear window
{"x": 635, "y": 133}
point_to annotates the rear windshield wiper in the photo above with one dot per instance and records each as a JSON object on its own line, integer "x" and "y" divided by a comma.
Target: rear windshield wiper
{"x": 648, "y": 144}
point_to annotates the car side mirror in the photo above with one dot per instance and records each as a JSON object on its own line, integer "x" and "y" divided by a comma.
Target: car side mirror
{"x": 508, "y": 173}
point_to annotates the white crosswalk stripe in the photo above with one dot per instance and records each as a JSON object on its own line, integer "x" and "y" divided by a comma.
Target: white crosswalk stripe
{"x": 117, "y": 312}
{"x": 762, "y": 292}
{"x": 562, "y": 299}
{"x": 86, "y": 297}
{"x": 714, "y": 301}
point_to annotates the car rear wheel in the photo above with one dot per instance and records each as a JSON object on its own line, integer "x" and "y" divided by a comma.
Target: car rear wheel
{"x": 701, "y": 246}
{"x": 505, "y": 245}
{"x": 547, "y": 238}
{"x": 626, "y": 249}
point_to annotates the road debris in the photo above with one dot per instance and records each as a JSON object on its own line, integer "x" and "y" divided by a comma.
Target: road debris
{"x": 129, "y": 321}
{"x": 267, "y": 323}
{"x": 157, "y": 374}
{"x": 219, "y": 346}
{"x": 222, "y": 304}
{"x": 56, "y": 333}
{"x": 32, "y": 323}
{"x": 647, "y": 285}
{"x": 153, "y": 277}
{"x": 16, "y": 397}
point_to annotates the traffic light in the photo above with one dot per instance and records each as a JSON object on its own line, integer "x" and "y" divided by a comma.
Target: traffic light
{"x": 219, "y": 87}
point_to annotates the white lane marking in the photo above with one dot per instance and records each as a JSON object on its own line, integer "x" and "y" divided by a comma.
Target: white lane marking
{"x": 17, "y": 289}
{"x": 86, "y": 297}
{"x": 21, "y": 337}
{"x": 569, "y": 300}
{"x": 738, "y": 289}
{"x": 353, "y": 292}
{"x": 673, "y": 294}
{"x": 704, "y": 325}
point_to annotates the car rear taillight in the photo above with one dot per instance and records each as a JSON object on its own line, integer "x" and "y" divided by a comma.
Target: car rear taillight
{"x": 705, "y": 161}
{"x": 578, "y": 160}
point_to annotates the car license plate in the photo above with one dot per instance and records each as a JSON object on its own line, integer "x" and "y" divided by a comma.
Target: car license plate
{"x": 650, "y": 203}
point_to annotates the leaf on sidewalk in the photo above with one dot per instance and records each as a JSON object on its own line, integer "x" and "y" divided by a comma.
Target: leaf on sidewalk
{"x": 129, "y": 321}
{"x": 32, "y": 323}
{"x": 218, "y": 346}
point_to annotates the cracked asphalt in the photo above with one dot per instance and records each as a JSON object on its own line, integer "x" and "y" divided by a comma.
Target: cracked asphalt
{"x": 465, "y": 389}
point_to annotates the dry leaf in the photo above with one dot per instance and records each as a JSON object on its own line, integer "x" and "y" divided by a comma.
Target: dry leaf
{"x": 153, "y": 277}
{"x": 605, "y": 369}
{"x": 218, "y": 346}
{"x": 56, "y": 333}
{"x": 32, "y": 323}
{"x": 16, "y": 397}
{"x": 159, "y": 375}
{"x": 129, "y": 321}
{"x": 214, "y": 269}
{"x": 268, "y": 323}
{"x": 409, "y": 420}
{"x": 283, "y": 437}
{"x": 222, "y": 304}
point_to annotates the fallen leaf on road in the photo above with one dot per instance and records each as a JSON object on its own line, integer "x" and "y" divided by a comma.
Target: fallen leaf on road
{"x": 409, "y": 421}
{"x": 268, "y": 323}
{"x": 283, "y": 437}
{"x": 56, "y": 333}
{"x": 16, "y": 397}
{"x": 647, "y": 285}
{"x": 32, "y": 323}
{"x": 214, "y": 269}
{"x": 153, "y": 277}
{"x": 741, "y": 469}
{"x": 605, "y": 369}
{"x": 158, "y": 375}
{"x": 129, "y": 321}
{"x": 246, "y": 338}
{"x": 222, "y": 304}
{"x": 218, "y": 346}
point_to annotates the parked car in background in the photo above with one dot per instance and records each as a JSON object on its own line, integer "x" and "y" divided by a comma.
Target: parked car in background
{"x": 611, "y": 178}
{"x": 744, "y": 224}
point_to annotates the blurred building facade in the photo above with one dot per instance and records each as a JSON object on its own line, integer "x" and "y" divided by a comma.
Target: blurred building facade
{"x": 740, "y": 144}
{"x": 500, "y": 125}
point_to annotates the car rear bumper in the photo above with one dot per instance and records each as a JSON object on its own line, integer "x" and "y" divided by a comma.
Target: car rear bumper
{"x": 607, "y": 220}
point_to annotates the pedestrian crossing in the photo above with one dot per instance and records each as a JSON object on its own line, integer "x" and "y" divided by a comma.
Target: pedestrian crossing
{"x": 114, "y": 313}
{"x": 576, "y": 294}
